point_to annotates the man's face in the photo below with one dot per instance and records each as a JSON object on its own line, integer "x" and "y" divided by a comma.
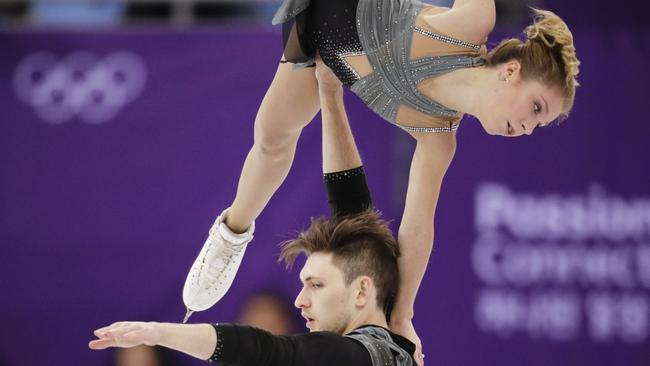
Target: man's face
{"x": 325, "y": 301}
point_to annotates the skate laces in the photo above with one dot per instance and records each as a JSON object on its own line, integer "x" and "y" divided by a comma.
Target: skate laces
{"x": 217, "y": 258}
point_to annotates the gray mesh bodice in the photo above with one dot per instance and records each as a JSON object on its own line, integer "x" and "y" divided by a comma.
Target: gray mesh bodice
{"x": 383, "y": 350}
{"x": 385, "y": 29}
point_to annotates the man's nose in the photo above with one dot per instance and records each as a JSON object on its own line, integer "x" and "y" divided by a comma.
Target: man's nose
{"x": 301, "y": 300}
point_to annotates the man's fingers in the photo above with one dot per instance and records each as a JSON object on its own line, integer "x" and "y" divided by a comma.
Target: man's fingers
{"x": 102, "y": 329}
{"x": 115, "y": 339}
{"x": 101, "y": 332}
{"x": 111, "y": 327}
{"x": 101, "y": 343}
{"x": 126, "y": 329}
{"x": 120, "y": 334}
{"x": 115, "y": 327}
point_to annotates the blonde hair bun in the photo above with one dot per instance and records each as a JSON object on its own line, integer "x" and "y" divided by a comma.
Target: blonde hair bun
{"x": 551, "y": 30}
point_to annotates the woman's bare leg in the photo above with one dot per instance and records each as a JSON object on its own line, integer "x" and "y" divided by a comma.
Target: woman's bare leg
{"x": 290, "y": 104}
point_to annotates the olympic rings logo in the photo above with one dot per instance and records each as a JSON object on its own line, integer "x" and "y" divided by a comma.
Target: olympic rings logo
{"x": 79, "y": 85}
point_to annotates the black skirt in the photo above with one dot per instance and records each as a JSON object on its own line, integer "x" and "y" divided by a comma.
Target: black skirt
{"x": 326, "y": 27}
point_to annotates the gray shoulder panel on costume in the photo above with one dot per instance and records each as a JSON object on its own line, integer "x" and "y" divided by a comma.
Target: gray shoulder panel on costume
{"x": 383, "y": 350}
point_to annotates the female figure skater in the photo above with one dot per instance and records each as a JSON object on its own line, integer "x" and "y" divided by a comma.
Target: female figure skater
{"x": 418, "y": 66}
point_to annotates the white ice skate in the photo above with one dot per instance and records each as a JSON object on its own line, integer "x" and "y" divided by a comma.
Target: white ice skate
{"x": 214, "y": 269}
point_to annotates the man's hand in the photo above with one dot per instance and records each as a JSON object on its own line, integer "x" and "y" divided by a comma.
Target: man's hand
{"x": 327, "y": 81}
{"x": 125, "y": 335}
{"x": 197, "y": 340}
{"x": 405, "y": 329}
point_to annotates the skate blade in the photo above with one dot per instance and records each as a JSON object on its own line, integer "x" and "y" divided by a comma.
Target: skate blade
{"x": 187, "y": 315}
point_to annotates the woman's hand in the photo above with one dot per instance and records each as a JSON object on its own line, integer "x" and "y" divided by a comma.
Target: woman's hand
{"x": 125, "y": 335}
{"x": 406, "y": 330}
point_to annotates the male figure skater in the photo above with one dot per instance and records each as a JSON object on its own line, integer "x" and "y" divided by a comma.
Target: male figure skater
{"x": 348, "y": 279}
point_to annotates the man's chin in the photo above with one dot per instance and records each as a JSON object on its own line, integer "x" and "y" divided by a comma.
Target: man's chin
{"x": 316, "y": 328}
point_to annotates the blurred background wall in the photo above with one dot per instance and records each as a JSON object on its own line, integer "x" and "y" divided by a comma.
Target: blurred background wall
{"x": 123, "y": 127}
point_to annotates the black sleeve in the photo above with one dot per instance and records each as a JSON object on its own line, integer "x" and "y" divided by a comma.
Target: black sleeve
{"x": 247, "y": 346}
{"x": 347, "y": 191}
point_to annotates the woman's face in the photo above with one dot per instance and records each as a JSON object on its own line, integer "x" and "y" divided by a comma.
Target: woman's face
{"x": 516, "y": 107}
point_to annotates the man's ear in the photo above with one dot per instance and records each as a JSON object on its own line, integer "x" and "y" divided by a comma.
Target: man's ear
{"x": 365, "y": 291}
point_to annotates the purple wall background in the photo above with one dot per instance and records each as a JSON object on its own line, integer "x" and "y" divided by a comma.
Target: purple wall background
{"x": 100, "y": 223}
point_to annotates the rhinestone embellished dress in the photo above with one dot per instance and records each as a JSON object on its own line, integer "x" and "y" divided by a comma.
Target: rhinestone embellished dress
{"x": 326, "y": 26}
{"x": 388, "y": 33}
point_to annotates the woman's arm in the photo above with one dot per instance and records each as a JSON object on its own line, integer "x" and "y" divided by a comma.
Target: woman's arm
{"x": 431, "y": 159}
{"x": 469, "y": 20}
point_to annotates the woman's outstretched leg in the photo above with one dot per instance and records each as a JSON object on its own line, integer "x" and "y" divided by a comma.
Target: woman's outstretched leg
{"x": 290, "y": 104}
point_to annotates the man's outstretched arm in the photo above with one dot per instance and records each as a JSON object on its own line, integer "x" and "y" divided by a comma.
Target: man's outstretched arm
{"x": 232, "y": 344}
{"x": 340, "y": 152}
{"x": 344, "y": 177}
{"x": 197, "y": 340}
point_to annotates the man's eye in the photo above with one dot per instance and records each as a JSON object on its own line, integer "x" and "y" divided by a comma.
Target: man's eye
{"x": 316, "y": 285}
{"x": 536, "y": 108}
